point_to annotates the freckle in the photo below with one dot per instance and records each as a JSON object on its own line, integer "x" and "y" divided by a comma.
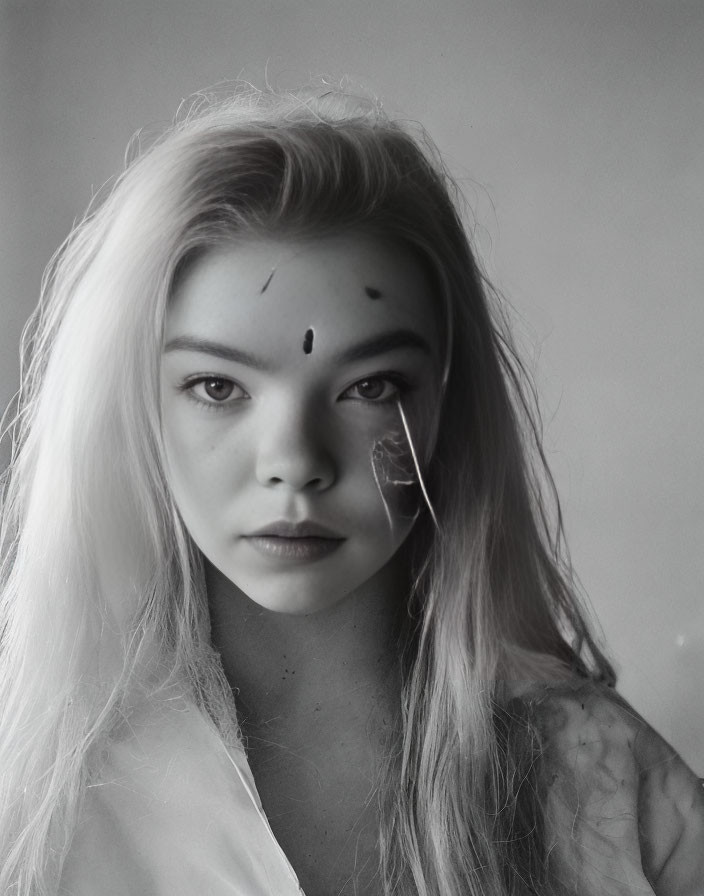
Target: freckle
{"x": 372, "y": 292}
{"x": 268, "y": 281}
{"x": 308, "y": 341}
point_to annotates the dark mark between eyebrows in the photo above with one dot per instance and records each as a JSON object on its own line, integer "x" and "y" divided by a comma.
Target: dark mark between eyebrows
{"x": 372, "y": 292}
{"x": 308, "y": 342}
{"x": 268, "y": 281}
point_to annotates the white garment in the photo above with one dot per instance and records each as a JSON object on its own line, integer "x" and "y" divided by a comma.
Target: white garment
{"x": 175, "y": 813}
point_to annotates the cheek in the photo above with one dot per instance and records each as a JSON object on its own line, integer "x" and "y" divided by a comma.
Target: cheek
{"x": 196, "y": 468}
{"x": 392, "y": 453}
{"x": 402, "y": 455}
{"x": 395, "y": 474}
{"x": 392, "y": 460}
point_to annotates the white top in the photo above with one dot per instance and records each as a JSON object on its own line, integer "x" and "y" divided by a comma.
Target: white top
{"x": 175, "y": 813}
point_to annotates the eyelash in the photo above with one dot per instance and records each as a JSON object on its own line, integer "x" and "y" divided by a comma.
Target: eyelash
{"x": 401, "y": 387}
{"x": 188, "y": 385}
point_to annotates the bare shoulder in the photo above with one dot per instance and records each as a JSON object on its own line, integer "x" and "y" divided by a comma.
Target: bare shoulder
{"x": 621, "y": 802}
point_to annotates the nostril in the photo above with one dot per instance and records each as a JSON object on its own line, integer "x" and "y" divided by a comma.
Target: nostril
{"x": 294, "y": 467}
{"x": 315, "y": 482}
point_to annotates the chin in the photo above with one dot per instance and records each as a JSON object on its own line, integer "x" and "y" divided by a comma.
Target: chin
{"x": 295, "y": 604}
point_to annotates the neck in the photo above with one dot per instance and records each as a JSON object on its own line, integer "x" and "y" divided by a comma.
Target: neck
{"x": 302, "y": 668}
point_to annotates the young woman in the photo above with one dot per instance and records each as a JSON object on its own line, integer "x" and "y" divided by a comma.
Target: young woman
{"x": 283, "y": 606}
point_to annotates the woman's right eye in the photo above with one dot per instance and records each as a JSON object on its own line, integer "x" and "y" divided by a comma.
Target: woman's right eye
{"x": 213, "y": 390}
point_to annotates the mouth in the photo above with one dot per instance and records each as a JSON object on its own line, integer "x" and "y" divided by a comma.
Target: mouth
{"x": 303, "y": 542}
{"x": 285, "y": 529}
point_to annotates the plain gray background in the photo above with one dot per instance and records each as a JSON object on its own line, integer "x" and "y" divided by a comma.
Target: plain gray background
{"x": 577, "y": 131}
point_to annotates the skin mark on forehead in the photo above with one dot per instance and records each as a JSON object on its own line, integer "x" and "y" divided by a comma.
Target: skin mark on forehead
{"x": 268, "y": 281}
{"x": 371, "y": 291}
{"x": 308, "y": 341}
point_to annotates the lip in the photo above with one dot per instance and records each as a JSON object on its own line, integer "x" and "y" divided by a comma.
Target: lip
{"x": 300, "y": 542}
{"x": 305, "y": 529}
{"x": 294, "y": 550}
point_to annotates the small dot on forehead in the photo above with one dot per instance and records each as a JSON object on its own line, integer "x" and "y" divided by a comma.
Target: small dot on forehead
{"x": 372, "y": 292}
{"x": 268, "y": 281}
{"x": 308, "y": 341}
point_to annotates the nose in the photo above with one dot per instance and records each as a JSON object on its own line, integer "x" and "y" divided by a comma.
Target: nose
{"x": 291, "y": 453}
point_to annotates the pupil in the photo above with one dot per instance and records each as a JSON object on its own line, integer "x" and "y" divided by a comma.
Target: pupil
{"x": 218, "y": 389}
{"x": 371, "y": 388}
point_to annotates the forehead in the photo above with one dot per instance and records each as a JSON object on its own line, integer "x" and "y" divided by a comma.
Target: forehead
{"x": 270, "y": 291}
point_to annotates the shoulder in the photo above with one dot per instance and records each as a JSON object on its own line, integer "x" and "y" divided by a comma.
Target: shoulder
{"x": 671, "y": 815}
{"x": 621, "y": 805}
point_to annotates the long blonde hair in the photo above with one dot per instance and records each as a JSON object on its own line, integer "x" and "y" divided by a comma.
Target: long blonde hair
{"x": 103, "y": 596}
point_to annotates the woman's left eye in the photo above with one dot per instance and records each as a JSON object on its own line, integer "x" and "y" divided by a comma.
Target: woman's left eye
{"x": 377, "y": 389}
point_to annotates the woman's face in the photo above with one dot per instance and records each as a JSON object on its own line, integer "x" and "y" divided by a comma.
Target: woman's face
{"x": 283, "y": 369}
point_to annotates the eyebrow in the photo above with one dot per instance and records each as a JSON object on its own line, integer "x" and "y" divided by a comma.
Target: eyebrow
{"x": 218, "y": 349}
{"x": 392, "y": 340}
